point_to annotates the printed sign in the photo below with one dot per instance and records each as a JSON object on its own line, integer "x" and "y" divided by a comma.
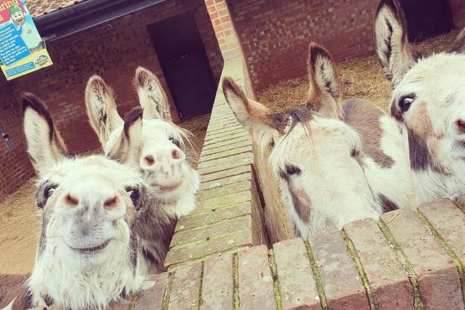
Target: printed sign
{"x": 22, "y": 50}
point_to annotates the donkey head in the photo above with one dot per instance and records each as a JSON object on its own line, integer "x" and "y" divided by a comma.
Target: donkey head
{"x": 428, "y": 94}
{"x": 158, "y": 148}
{"x": 87, "y": 206}
{"x": 314, "y": 154}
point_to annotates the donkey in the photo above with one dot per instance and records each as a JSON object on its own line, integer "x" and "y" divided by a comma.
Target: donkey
{"x": 87, "y": 252}
{"x": 160, "y": 154}
{"x": 335, "y": 162}
{"x": 428, "y": 101}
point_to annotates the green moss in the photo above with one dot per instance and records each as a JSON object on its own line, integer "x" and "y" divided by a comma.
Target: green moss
{"x": 205, "y": 257}
{"x": 166, "y": 300}
{"x": 274, "y": 271}
{"x": 317, "y": 277}
{"x": 446, "y": 247}
{"x": 353, "y": 253}
{"x": 237, "y": 301}
{"x": 201, "y": 287}
{"x": 134, "y": 303}
{"x": 417, "y": 303}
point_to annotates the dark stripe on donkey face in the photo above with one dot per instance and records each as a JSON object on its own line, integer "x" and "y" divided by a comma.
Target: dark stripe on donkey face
{"x": 420, "y": 157}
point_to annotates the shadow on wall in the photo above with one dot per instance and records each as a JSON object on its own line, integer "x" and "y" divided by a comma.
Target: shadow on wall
{"x": 427, "y": 18}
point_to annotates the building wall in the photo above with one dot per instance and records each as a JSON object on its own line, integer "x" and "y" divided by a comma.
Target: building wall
{"x": 275, "y": 34}
{"x": 15, "y": 167}
{"x": 112, "y": 50}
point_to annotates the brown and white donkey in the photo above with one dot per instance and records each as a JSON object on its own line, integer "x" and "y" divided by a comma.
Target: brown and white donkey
{"x": 335, "y": 161}
{"x": 428, "y": 101}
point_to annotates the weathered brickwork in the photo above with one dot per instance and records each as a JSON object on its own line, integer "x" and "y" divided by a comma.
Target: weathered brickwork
{"x": 112, "y": 50}
{"x": 15, "y": 167}
{"x": 229, "y": 215}
{"x": 275, "y": 34}
{"x": 322, "y": 272}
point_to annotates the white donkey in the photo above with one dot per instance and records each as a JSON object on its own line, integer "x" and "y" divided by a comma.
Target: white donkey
{"x": 87, "y": 252}
{"x": 335, "y": 162}
{"x": 428, "y": 100}
{"x": 160, "y": 153}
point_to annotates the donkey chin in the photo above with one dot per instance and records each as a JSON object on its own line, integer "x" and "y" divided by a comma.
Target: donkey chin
{"x": 91, "y": 250}
{"x": 82, "y": 271}
{"x": 172, "y": 184}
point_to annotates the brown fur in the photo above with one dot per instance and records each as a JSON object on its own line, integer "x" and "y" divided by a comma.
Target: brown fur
{"x": 302, "y": 203}
{"x": 13, "y": 288}
{"x": 257, "y": 112}
{"x": 321, "y": 95}
{"x": 364, "y": 118}
{"x": 387, "y": 204}
{"x": 121, "y": 149}
{"x": 154, "y": 93}
{"x": 395, "y": 44}
{"x": 459, "y": 44}
{"x": 30, "y": 101}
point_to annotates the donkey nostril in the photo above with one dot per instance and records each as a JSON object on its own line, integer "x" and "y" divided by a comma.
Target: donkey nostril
{"x": 176, "y": 154}
{"x": 111, "y": 203}
{"x": 461, "y": 125}
{"x": 71, "y": 201}
{"x": 149, "y": 160}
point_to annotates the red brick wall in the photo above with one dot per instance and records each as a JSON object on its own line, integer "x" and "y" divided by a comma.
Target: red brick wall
{"x": 275, "y": 34}
{"x": 112, "y": 50}
{"x": 15, "y": 167}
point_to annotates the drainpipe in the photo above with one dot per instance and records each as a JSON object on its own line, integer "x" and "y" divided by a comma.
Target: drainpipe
{"x": 5, "y": 137}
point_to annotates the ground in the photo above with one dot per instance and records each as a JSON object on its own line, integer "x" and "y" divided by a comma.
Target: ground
{"x": 19, "y": 226}
{"x": 360, "y": 78}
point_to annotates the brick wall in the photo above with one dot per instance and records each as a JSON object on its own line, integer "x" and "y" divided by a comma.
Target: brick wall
{"x": 229, "y": 214}
{"x": 408, "y": 260}
{"x": 112, "y": 50}
{"x": 15, "y": 167}
{"x": 275, "y": 34}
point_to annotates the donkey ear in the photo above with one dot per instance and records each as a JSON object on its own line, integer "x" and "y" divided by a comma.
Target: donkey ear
{"x": 152, "y": 97}
{"x": 44, "y": 143}
{"x": 324, "y": 94}
{"x": 101, "y": 108}
{"x": 126, "y": 149}
{"x": 459, "y": 44}
{"x": 391, "y": 41}
{"x": 250, "y": 113}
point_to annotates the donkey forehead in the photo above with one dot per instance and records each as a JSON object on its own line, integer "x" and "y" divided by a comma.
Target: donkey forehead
{"x": 159, "y": 129}
{"x": 439, "y": 78}
{"x": 304, "y": 139}
{"x": 73, "y": 169}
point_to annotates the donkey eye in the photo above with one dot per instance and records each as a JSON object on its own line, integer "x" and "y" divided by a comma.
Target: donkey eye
{"x": 43, "y": 195}
{"x": 405, "y": 103}
{"x": 49, "y": 192}
{"x": 292, "y": 170}
{"x": 176, "y": 142}
{"x": 271, "y": 144}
